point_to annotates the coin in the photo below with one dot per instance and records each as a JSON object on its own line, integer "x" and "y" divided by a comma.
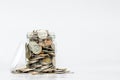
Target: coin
{"x": 47, "y": 60}
{"x": 25, "y": 69}
{"x": 52, "y": 54}
{"x": 37, "y": 66}
{"x": 29, "y": 34}
{"x": 34, "y": 47}
{"x": 42, "y": 34}
{"x": 30, "y": 62}
{"x": 28, "y": 54}
{"x": 39, "y": 57}
{"x": 53, "y": 46}
{"x": 46, "y": 67}
{"x": 34, "y": 73}
{"x": 51, "y": 37}
{"x": 48, "y": 51}
{"x": 43, "y": 55}
{"x": 48, "y": 42}
{"x": 53, "y": 61}
{"x": 49, "y": 70}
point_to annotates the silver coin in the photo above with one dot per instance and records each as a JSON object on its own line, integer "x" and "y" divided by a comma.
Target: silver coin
{"x": 53, "y": 46}
{"x": 31, "y": 62}
{"x": 37, "y": 66}
{"x": 53, "y": 62}
{"x": 34, "y": 47}
{"x": 28, "y": 54}
{"x": 29, "y": 34}
{"x": 52, "y": 35}
{"x": 42, "y": 34}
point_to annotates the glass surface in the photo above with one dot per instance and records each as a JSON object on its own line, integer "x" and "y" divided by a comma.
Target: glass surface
{"x": 19, "y": 57}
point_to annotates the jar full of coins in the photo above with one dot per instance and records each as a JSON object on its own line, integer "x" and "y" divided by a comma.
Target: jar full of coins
{"x": 40, "y": 50}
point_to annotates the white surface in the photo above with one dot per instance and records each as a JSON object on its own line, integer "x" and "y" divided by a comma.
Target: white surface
{"x": 87, "y": 35}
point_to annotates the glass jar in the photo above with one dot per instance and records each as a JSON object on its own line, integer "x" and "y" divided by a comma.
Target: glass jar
{"x": 37, "y": 54}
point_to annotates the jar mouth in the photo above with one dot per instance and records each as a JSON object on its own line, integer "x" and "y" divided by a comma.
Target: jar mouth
{"x": 41, "y": 35}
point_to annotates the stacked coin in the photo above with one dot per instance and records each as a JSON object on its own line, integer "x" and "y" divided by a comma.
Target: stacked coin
{"x": 40, "y": 54}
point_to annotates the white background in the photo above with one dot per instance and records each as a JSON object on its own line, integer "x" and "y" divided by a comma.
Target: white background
{"x": 87, "y": 36}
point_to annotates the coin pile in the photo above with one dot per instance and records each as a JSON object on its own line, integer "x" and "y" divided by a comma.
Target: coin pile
{"x": 40, "y": 54}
